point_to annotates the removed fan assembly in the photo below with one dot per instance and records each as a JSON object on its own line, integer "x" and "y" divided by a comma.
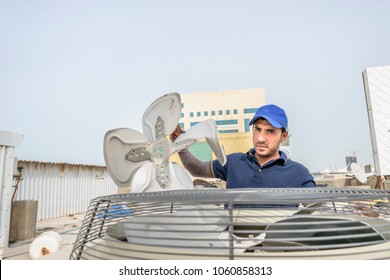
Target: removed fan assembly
{"x": 141, "y": 161}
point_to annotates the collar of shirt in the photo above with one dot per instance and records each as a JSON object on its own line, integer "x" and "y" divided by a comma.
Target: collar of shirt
{"x": 282, "y": 158}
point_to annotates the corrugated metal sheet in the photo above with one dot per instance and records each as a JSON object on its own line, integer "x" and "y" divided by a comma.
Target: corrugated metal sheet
{"x": 62, "y": 189}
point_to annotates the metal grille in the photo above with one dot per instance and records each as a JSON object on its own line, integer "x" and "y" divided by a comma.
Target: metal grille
{"x": 320, "y": 223}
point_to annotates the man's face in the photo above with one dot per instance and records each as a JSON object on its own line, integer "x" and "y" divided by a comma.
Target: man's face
{"x": 266, "y": 140}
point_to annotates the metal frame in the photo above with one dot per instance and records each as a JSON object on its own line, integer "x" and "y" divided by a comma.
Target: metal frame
{"x": 8, "y": 142}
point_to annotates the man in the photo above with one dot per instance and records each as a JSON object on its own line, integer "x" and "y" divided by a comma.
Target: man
{"x": 263, "y": 166}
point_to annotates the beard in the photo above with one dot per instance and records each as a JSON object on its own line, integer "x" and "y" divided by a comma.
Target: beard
{"x": 265, "y": 151}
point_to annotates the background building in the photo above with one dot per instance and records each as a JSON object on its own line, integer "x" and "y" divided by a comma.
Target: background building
{"x": 231, "y": 109}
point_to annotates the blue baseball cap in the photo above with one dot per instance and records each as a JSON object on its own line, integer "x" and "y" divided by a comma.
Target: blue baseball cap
{"x": 273, "y": 114}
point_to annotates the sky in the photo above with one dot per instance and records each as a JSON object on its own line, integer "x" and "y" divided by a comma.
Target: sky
{"x": 72, "y": 70}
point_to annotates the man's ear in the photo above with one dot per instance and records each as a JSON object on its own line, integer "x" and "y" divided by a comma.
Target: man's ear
{"x": 284, "y": 135}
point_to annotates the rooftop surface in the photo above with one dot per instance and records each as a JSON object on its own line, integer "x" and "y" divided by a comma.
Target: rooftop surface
{"x": 68, "y": 227}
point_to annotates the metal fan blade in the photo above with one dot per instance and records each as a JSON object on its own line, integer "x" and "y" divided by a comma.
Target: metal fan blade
{"x": 117, "y": 145}
{"x": 195, "y": 226}
{"x": 206, "y": 129}
{"x": 145, "y": 179}
{"x": 180, "y": 179}
{"x": 168, "y": 108}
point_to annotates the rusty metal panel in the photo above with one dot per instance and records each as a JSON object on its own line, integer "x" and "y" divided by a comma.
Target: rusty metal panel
{"x": 62, "y": 189}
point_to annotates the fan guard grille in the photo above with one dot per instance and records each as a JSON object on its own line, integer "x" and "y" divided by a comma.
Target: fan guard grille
{"x": 226, "y": 224}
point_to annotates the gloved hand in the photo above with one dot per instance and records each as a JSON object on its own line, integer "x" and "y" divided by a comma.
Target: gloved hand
{"x": 178, "y": 130}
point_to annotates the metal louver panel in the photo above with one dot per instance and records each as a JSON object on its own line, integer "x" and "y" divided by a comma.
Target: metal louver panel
{"x": 377, "y": 90}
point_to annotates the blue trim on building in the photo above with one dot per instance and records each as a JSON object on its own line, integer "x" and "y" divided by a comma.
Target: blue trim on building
{"x": 228, "y": 131}
{"x": 250, "y": 110}
{"x": 225, "y": 122}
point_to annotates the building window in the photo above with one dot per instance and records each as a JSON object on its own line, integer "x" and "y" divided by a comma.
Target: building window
{"x": 250, "y": 110}
{"x": 227, "y": 112}
{"x": 191, "y": 114}
{"x": 182, "y": 115}
{"x": 213, "y": 113}
{"x": 206, "y": 113}
{"x": 235, "y": 112}
{"x": 226, "y": 122}
{"x": 198, "y": 114}
{"x": 220, "y": 112}
{"x": 247, "y": 127}
{"x": 193, "y": 123}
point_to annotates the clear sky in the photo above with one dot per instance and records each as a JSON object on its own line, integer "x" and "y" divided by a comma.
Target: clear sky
{"x": 71, "y": 70}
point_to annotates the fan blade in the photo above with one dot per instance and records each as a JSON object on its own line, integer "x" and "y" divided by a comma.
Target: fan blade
{"x": 195, "y": 226}
{"x": 180, "y": 179}
{"x": 145, "y": 179}
{"x": 117, "y": 144}
{"x": 206, "y": 129}
{"x": 168, "y": 108}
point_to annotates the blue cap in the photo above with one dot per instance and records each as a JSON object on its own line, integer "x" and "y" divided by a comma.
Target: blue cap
{"x": 273, "y": 114}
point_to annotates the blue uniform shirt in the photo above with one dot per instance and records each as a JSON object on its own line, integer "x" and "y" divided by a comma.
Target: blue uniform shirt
{"x": 243, "y": 171}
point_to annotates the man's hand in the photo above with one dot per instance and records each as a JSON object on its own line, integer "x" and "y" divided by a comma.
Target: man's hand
{"x": 178, "y": 130}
